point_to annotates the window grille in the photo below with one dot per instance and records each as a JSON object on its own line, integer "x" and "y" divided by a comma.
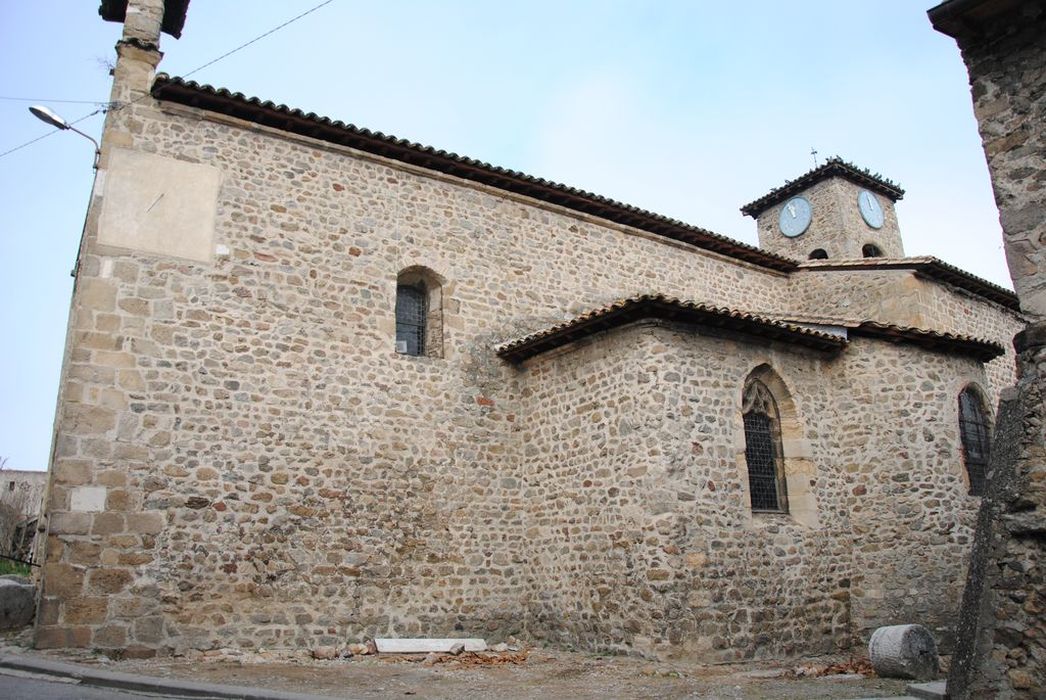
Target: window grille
{"x": 410, "y": 320}
{"x": 766, "y": 483}
{"x": 976, "y": 442}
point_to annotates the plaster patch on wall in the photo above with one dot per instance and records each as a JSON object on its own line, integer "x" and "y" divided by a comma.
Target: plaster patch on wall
{"x": 156, "y": 204}
{"x": 87, "y": 499}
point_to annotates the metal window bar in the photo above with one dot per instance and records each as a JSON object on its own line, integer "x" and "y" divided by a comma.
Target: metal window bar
{"x": 410, "y": 320}
{"x": 976, "y": 441}
{"x": 761, "y": 458}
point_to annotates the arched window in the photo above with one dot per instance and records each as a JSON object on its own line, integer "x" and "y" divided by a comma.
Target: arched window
{"x": 763, "y": 454}
{"x": 976, "y": 441}
{"x": 818, "y": 254}
{"x": 410, "y": 319}
{"x": 419, "y": 313}
{"x": 870, "y": 250}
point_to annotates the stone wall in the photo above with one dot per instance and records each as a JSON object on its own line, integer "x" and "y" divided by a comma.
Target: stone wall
{"x": 242, "y": 458}
{"x": 1001, "y": 650}
{"x": 1006, "y": 60}
{"x": 906, "y": 299}
{"x": 643, "y": 533}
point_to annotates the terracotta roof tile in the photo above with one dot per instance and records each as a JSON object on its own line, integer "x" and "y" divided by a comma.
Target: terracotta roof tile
{"x": 309, "y": 124}
{"x": 659, "y": 306}
{"x": 979, "y": 348}
{"x": 835, "y": 167}
{"x": 783, "y": 328}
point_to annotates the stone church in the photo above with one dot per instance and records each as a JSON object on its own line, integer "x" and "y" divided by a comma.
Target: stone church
{"x": 322, "y": 383}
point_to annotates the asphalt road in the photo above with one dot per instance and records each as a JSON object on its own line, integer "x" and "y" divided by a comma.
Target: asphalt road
{"x": 25, "y": 686}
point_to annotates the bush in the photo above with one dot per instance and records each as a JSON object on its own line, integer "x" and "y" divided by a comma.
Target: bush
{"x": 14, "y": 567}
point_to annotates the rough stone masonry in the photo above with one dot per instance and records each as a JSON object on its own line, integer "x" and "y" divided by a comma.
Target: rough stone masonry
{"x": 1002, "y": 647}
{"x": 245, "y": 455}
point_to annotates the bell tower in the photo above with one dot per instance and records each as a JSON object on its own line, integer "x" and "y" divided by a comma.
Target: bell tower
{"x": 835, "y": 211}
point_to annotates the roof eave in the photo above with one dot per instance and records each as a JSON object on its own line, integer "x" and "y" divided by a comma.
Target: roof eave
{"x": 311, "y": 125}
{"x": 978, "y": 349}
{"x": 964, "y": 18}
{"x": 930, "y": 268}
{"x": 656, "y": 307}
{"x": 174, "y": 12}
{"x": 835, "y": 167}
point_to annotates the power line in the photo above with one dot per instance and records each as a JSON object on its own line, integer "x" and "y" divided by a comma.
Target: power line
{"x": 108, "y": 105}
{"x": 42, "y": 99}
{"x": 259, "y": 37}
{"x": 52, "y": 132}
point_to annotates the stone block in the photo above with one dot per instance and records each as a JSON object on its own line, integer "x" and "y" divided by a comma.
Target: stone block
{"x": 108, "y": 581}
{"x": 148, "y": 523}
{"x": 84, "y": 553}
{"x": 108, "y": 524}
{"x": 62, "y": 581}
{"x": 85, "y": 611}
{"x": 425, "y": 645}
{"x": 72, "y": 472}
{"x": 84, "y": 419}
{"x": 65, "y": 523}
{"x": 87, "y": 499}
{"x": 17, "y": 604}
{"x": 97, "y": 294}
{"x": 51, "y": 637}
{"x": 110, "y": 637}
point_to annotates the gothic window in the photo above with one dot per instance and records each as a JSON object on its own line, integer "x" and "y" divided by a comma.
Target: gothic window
{"x": 976, "y": 444}
{"x": 818, "y": 254}
{"x": 763, "y": 454}
{"x": 870, "y": 250}
{"x": 419, "y": 313}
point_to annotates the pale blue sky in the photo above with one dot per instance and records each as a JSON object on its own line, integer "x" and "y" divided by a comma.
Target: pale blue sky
{"x": 690, "y": 109}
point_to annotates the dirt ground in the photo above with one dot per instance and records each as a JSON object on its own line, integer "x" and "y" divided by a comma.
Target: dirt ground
{"x": 527, "y": 673}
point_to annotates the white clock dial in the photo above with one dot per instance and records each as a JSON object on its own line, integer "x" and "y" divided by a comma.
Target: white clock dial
{"x": 795, "y": 217}
{"x": 871, "y": 211}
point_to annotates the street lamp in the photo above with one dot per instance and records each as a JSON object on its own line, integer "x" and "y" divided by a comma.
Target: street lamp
{"x": 45, "y": 115}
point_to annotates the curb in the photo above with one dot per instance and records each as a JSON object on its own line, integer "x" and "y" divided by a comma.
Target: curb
{"x": 146, "y": 684}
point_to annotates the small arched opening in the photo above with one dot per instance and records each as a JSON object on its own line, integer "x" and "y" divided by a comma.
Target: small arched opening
{"x": 818, "y": 254}
{"x": 419, "y": 313}
{"x": 870, "y": 250}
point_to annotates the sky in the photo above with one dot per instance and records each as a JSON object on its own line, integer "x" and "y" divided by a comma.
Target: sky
{"x": 689, "y": 109}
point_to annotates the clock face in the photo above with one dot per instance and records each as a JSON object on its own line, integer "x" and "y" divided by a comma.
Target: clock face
{"x": 795, "y": 217}
{"x": 871, "y": 211}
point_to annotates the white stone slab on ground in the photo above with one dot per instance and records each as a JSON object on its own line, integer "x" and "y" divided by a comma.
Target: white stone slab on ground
{"x": 424, "y": 645}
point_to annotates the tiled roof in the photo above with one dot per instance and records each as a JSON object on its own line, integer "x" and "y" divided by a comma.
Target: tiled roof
{"x": 783, "y": 328}
{"x": 295, "y": 121}
{"x": 979, "y": 348}
{"x": 927, "y": 266}
{"x": 173, "y": 14}
{"x": 658, "y": 306}
{"x": 835, "y": 167}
